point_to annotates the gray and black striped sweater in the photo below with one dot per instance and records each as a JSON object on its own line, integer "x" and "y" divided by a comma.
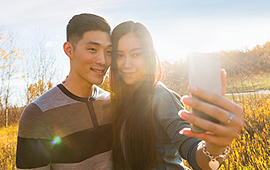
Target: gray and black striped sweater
{"x": 62, "y": 131}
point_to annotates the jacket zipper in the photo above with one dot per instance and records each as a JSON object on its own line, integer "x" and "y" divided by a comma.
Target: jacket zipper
{"x": 92, "y": 111}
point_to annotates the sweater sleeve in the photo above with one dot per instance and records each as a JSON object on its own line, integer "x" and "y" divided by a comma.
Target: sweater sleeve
{"x": 166, "y": 107}
{"x": 33, "y": 145}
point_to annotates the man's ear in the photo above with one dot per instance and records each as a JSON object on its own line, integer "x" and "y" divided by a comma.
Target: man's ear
{"x": 68, "y": 49}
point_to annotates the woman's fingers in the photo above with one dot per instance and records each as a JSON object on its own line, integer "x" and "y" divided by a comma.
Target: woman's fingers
{"x": 212, "y": 110}
{"x": 217, "y": 100}
{"x": 220, "y": 113}
{"x": 217, "y": 106}
{"x": 205, "y": 124}
{"x": 223, "y": 81}
{"x": 209, "y": 137}
{"x": 216, "y": 134}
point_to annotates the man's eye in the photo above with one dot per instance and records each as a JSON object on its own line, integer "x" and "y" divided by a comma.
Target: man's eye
{"x": 109, "y": 52}
{"x": 92, "y": 49}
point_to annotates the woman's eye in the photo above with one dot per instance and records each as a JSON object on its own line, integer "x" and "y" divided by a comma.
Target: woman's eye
{"x": 136, "y": 54}
{"x": 119, "y": 55}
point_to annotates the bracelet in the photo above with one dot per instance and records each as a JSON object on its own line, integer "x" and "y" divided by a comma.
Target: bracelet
{"x": 214, "y": 164}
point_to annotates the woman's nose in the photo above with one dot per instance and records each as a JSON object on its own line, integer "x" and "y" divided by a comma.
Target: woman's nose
{"x": 128, "y": 63}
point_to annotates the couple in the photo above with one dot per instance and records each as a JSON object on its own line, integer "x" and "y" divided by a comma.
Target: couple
{"x": 139, "y": 125}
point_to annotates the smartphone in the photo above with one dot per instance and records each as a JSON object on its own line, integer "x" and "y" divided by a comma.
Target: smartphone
{"x": 204, "y": 73}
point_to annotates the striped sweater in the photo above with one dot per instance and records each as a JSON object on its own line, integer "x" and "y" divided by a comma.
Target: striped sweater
{"x": 62, "y": 131}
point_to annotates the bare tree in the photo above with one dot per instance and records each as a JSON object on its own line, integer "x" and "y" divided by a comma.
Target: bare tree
{"x": 10, "y": 54}
{"x": 39, "y": 68}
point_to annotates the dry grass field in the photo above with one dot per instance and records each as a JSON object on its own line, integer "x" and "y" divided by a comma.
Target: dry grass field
{"x": 250, "y": 151}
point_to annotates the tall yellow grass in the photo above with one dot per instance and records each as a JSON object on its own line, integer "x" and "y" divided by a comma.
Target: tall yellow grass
{"x": 250, "y": 151}
{"x": 8, "y": 143}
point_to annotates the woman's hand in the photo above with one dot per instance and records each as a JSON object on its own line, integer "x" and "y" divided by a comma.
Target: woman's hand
{"x": 218, "y": 136}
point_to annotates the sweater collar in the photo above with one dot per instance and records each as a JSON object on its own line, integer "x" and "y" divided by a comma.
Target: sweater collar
{"x": 73, "y": 96}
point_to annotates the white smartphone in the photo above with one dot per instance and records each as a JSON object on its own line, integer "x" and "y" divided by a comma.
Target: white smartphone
{"x": 204, "y": 73}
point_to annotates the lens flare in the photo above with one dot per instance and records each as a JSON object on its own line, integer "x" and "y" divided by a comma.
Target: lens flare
{"x": 56, "y": 140}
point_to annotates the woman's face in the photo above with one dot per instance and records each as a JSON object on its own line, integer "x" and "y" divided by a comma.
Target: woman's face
{"x": 131, "y": 59}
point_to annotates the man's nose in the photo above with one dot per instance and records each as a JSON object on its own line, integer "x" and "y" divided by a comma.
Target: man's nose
{"x": 101, "y": 59}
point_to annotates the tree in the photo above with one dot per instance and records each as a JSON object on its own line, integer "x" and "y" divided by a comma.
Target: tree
{"x": 10, "y": 54}
{"x": 248, "y": 62}
{"x": 37, "y": 89}
{"x": 175, "y": 75}
{"x": 39, "y": 69}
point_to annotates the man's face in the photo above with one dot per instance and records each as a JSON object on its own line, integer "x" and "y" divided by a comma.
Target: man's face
{"x": 91, "y": 57}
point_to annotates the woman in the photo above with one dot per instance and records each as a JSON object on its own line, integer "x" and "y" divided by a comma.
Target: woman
{"x": 148, "y": 132}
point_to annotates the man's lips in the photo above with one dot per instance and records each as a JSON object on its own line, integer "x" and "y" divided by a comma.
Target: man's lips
{"x": 98, "y": 71}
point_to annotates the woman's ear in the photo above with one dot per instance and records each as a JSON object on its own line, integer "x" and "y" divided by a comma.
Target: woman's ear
{"x": 68, "y": 48}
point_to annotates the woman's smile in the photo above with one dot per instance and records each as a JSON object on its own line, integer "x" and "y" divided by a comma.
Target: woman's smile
{"x": 128, "y": 74}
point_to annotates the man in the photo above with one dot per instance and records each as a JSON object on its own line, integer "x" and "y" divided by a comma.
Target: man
{"x": 69, "y": 127}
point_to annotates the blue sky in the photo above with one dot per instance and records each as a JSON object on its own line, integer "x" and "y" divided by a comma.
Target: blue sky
{"x": 178, "y": 27}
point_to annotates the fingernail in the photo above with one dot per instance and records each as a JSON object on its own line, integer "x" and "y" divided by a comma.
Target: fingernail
{"x": 187, "y": 101}
{"x": 184, "y": 115}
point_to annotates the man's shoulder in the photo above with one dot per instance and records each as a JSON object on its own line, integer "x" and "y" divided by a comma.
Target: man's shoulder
{"x": 48, "y": 94}
{"x": 52, "y": 99}
{"x": 35, "y": 106}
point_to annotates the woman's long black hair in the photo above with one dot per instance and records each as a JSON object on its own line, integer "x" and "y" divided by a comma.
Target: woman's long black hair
{"x": 133, "y": 119}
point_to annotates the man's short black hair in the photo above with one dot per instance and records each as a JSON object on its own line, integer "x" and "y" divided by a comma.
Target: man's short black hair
{"x": 79, "y": 24}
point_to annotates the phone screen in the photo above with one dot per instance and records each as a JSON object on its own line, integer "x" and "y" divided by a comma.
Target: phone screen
{"x": 204, "y": 73}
